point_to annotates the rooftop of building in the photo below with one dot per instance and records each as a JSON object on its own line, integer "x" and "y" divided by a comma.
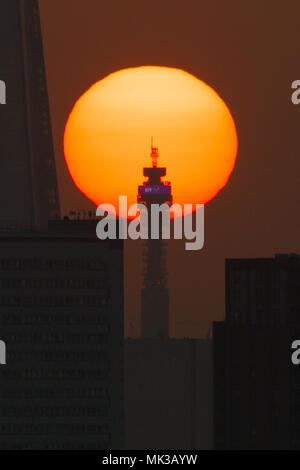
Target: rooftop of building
{"x": 278, "y": 257}
{"x": 58, "y": 229}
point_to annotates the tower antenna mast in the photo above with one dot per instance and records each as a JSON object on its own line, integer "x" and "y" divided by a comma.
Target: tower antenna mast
{"x": 154, "y": 154}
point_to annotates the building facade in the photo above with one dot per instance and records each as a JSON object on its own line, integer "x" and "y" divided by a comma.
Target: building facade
{"x": 263, "y": 291}
{"x": 256, "y": 386}
{"x": 61, "y": 289}
{"x": 168, "y": 394}
{"x": 61, "y": 317}
{"x": 27, "y": 168}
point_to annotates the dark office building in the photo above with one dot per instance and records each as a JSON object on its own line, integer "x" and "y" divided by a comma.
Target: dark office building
{"x": 61, "y": 289}
{"x": 168, "y": 394}
{"x": 61, "y": 317}
{"x": 256, "y": 386}
{"x": 29, "y": 195}
{"x": 263, "y": 291}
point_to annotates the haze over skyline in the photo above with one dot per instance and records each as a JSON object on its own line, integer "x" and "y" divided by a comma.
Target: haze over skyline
{"x": 256, "y": 215}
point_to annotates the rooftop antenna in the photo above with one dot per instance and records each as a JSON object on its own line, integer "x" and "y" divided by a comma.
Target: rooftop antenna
{"x": 154, "y": 154}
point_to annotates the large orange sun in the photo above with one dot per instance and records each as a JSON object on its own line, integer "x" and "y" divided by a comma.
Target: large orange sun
{"x": 108, "y": 133}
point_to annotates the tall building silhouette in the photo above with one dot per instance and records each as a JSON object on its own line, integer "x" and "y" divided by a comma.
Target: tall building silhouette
{"x": 263, "y": 291}
{"x": 61, "y": 289}
{"x": 155, "y": 292}
{"x": 61, "y": 317}
{"x": 256, "y": 386}
{"x": 168, "y": 387}
{"x": 28, "y": 186}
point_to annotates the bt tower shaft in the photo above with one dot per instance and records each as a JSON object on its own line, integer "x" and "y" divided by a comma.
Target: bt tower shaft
{"x": 155, "y": 292}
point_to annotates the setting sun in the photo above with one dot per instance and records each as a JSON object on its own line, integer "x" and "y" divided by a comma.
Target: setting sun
{"x": 108, "y": 133}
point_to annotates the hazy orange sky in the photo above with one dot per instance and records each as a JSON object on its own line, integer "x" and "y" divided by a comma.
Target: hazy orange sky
{"x": 248, "y": 52}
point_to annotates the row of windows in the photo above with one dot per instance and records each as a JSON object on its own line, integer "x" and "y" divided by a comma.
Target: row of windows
{"x": 259, "y": 316}
{"x": 54, "y": 412}
{"x": 56, "y": 393}
{"x": 57, "y": 338}
{"x": 62, "y": 374}
{"x": 259, "y": 276}
{"x": 257, "y": 296}
{"x": 58, "y": 429}
{"x": 30, "y": 318}
{"x": 56, "y": 356}
{"x": 52, "y": 283}
{"x": 101, "y": 444}
{"x": 53, "y": 264}
{"x": 56, "y": 301}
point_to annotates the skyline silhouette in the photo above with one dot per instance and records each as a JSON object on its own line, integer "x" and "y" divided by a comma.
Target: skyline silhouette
{"x": 256, "y": 214}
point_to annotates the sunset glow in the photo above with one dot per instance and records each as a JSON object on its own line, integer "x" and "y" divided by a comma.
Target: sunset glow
{"x": 108, "y": 135}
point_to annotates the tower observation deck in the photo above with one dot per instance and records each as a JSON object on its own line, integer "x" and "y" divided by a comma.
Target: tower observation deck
{"x": 155, "y": 292}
